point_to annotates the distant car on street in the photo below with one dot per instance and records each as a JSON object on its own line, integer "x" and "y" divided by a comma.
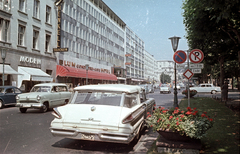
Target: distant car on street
{"x": 205, "y": 87}
{"x": 164, "y": 88}
{"x": 8, "y": 95}
{"x": 44, "y": 96}
{"x": 178, "y": 86}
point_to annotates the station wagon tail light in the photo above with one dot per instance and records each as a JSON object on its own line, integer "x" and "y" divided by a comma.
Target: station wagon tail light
{"x": 38, "y": 97}
{"x": 134, "y": 115}
{"x": 56, "y": 113}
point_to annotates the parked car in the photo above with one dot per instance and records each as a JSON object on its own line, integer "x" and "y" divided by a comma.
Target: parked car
{"x": 44, "y": 96}
{"x": 108, "y": 113}
{"x": 8, "y": 95}
{"x": 205, "y": 87}
{"x": 164, "y": 88}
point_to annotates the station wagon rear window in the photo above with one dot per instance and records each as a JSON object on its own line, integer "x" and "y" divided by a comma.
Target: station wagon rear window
{"x": 97, "y": 98}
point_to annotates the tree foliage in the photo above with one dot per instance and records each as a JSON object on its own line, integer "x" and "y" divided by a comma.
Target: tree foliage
{"x": 165, "y": 78}
{"x": 214, "y": 27}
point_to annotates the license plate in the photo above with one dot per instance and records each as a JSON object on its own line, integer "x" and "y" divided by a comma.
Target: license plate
{"x": 27, "y": 105}
{"x": 87, "y": 137}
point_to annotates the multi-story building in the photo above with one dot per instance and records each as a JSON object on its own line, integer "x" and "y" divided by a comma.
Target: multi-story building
{"x": 150, "y": 68}
{"x": 27, "y": 36}
{"x": 94, "y": 35}
{"x": 134, "y": 57}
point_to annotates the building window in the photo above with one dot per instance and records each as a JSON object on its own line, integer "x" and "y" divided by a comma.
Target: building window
{"x": 5, "y": 5}
{"x": 48, "y": 14}
{"x": 4, "y": 30}
{"x": 21, "y": 34}
{"x": 35, "y": 39}
{"x": 36, "y": 9}
{"x": 22, "y": 5}
{"x": 47, "y": 43}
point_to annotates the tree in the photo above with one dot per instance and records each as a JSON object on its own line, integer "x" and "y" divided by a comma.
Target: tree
{"x": 213, "y": 26}
{"x": 165, "y": 78}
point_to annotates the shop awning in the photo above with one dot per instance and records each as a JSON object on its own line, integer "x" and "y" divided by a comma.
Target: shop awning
{"x": 34, "y": 74}
{"x": 65, "y": 71}
{"x": 8, "y": 70}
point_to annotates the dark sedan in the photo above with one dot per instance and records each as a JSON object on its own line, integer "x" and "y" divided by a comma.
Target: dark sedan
{"x": 8, "y": 95}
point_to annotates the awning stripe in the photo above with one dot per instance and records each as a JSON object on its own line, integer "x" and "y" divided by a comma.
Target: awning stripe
{"x": 65, "y": 71}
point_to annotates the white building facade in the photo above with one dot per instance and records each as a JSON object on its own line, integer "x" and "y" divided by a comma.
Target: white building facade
{"x": 150, "y": 68}
{"x": 27, "y": 35}
{"x": 166, "y": 67}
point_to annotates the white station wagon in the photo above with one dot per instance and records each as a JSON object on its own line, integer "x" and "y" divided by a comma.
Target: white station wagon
{"x": 108, "y": 113}
{"x": 44, "y": 96}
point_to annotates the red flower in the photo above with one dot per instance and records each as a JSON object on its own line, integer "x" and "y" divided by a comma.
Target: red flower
{"x": 205, "y": 112}
{"x": 188, "y": 108}
{"x": 148, "y": 112}
{"x": 151, "y": 126}
{"x": 194, "y": 108}
{"x": 182, "y": 116}
{"x": 149, "y": 115}
{"x": 177, "y": 118}
{"x": 177, "y": 123}
{"x": 170, "y": 117}
{"x": 182, "y": 111}
{"x": 203, "y": 115}
{"x": 188, "y": 112}
{"x": 154, "y": 105}
{"x": 210, "y": 119}
{"x": 175, "y": 111}
{"x": 176, "y": 108}
{"x": 164, "y": 111}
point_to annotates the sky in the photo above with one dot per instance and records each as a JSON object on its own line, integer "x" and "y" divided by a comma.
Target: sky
{"x": 154, "y": 21}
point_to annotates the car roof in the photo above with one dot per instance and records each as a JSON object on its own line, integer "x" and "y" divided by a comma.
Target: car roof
{"x": 50, "y": 84}
{"x": 110, "y": 88}
{"x": 8, "y": 87}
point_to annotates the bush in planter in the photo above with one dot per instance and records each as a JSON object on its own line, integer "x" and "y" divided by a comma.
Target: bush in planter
{"x": 186, "y": 122}
{"x": 192, "y": 92}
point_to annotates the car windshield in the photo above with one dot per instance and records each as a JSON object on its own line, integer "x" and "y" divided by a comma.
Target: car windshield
{"x": 1, "y": 90}
{"x": 41, "y": 89}
{"x": 164, "y": 85}
{"x": 98, "y": 98}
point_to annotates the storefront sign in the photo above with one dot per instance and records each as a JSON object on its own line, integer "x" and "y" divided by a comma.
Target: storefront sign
{"x": 30, "y": 60}
{"x": 72, "y": 64}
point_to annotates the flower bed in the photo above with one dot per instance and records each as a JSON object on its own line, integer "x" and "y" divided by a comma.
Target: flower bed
{"x": 186, "y": 122}
{"x": 192, "y": 93}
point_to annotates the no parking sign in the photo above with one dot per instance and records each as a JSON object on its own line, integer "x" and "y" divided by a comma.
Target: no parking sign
{"x": 196, "y": 56}
{"x": 179, "y": 56}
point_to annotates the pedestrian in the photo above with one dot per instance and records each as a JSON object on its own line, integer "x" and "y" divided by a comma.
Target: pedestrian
{"x": 78, "y": 84}
{"x": 225, "y": 92}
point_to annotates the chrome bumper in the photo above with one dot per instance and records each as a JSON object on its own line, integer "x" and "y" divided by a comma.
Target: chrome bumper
{"x": 33, "y": 105}
{"x": 96, "y": 136}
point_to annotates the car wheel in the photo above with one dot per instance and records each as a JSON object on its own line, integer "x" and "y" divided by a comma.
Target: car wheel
{"x": 213, "y": 92}
{"x": 23, "y": 110}
{"x": 44, "y": 108}
{"x": 1, "y": 104}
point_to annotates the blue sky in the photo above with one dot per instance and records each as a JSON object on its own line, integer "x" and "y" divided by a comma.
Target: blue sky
{"x": 154, "y": 21}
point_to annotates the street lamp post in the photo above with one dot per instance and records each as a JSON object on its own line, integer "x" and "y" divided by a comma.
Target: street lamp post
{"x": 87, "y": 73}
{"x": 3, "y": 54}
{"x": 174, "y": 41}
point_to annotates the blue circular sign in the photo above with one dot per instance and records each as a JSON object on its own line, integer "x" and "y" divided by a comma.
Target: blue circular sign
{"x": 180, "y": 56}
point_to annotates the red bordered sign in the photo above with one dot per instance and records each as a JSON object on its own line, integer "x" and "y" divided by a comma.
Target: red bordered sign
{"x": 188, "y": 74}
{"x": 196, "y": 56}
{"x": 180, "y": 56}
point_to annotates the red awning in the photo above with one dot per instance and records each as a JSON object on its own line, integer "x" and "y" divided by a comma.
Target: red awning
{"x": 65, "y": 71}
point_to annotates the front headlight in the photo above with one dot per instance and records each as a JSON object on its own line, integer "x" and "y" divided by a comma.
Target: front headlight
{"x": 17, "y": 97}
{"x": 38, "y": 97}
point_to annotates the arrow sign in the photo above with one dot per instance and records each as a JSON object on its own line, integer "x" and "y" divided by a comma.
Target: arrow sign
{"x": 196, "y": 56}
{"x": 179, "y": 56}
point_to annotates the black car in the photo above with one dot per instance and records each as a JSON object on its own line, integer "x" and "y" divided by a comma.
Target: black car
{"x": 8, "y": 95}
